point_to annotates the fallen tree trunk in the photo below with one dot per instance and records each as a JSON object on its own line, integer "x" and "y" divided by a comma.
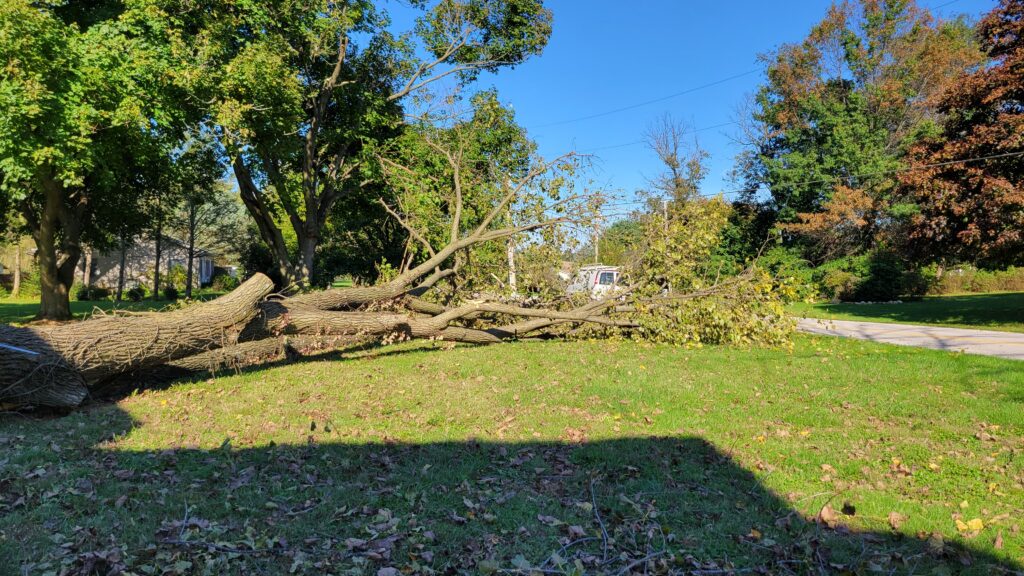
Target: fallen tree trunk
{"x": 53, "y": 365}
{"x": 58, "y": 365}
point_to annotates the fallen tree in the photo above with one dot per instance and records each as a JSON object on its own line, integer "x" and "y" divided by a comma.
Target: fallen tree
{"x": 668, "y": 298}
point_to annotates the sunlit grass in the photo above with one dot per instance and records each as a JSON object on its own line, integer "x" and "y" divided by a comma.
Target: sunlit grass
{"x": 716, "y": 441}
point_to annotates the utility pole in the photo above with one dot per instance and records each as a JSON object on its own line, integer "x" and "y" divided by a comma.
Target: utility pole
{"x": 597, "y": 240}
{"x": 16, "y": 289}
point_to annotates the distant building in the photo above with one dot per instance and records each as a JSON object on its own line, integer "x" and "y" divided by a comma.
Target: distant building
{"x": 140, "y": 264}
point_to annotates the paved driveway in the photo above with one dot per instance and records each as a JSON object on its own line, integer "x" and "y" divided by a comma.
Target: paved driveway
{"x": 985, "y": 342}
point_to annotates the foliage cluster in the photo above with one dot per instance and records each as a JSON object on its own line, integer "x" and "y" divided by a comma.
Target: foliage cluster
{"x": 846, "y": 130}
{"x": 91, "y": 293}
{"x": 682, "y": 295}
{"x": 965, "y": 279}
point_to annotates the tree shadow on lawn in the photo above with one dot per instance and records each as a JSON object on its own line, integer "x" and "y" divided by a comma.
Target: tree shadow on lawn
{"x": 70, "y": 502}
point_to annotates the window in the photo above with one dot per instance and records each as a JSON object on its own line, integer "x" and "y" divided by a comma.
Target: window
{"x": 607, "y": 278}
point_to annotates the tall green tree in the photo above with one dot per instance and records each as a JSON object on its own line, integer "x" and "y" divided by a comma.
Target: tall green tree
{"x": 839, "y": 111}
{"x": 301, "y": 92}
{"x": 81, "y": 140}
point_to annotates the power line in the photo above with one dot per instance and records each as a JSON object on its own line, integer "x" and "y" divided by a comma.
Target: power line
{"x": 886, "y": 172}
{"x": 648, "y": 102}
{"x": 848, "y": 177}
{"x": 635, "y": 142}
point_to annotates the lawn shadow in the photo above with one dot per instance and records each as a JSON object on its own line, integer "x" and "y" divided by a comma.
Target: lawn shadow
{"x": 616, "y": 506}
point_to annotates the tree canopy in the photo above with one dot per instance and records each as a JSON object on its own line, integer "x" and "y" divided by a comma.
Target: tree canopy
{"x": 832, "y": 124}
{"x": 301, "y": 94}
{"x": 974, "y": 211}
{"x": 84, "y": 137}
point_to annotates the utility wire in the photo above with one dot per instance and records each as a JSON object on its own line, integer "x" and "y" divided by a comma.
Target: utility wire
{"x": 648, "y": 102}
{"x": 851, "y": 176}
{"x": 635, "y": 142}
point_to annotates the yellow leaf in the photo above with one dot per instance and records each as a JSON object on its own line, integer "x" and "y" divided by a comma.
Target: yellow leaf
{"x": 973, "y": 525}
{"x": 964, "y": 505}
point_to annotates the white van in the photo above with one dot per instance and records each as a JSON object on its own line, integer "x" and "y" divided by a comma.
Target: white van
{"x": 597, "y": 279}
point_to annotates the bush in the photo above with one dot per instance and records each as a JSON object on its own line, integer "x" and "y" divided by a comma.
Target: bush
{"x": 224, "y": 283}
{"x": 3, "y": 292}
{"x": 176, "y": 276}
{"x": 838, "y": 284}
{"x": 883, "y": 281}
{"x": 878, "y": 276}
{"x": 170, "y": 292}
{"x": 136, "y": 294}
{"x": 29, "y": 284}
{"x": 962, "y": 279}
{"x": 87, "y": 293}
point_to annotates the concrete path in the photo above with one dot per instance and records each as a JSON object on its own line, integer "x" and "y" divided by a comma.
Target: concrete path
{"x": 985, "y": 342}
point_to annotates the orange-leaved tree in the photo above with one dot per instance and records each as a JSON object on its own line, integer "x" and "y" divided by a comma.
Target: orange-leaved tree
{"x": 969, "y": 181}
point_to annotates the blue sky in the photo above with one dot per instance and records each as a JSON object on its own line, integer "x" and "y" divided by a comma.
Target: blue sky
{"x": 605, "y": 55}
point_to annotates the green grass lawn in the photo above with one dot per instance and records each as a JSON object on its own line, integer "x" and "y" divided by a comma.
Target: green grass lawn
{"x": 492, "y": 459}
{"x": 22, "y": 310}
{"x": 996, "y": 311}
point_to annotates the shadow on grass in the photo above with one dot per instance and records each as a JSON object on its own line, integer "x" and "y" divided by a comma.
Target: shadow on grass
{"x": 982, "y": 310}
{"x": 663, "y": 505}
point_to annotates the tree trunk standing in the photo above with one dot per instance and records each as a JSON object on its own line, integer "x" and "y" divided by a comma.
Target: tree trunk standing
{"x": 307, "y": 251}
{"x": 265, "y": 218}
{"x": 156, "y": 271}
{"x": 56, "y": 230}
{"x": 192, "y": 208}
{"x": 87, "y": 269}
{"x": 56, "y": 267}
{"x": 16, "y": 288}
{"x": 120, "y": 271}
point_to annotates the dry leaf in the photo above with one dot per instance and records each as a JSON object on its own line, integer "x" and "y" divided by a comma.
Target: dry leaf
{"x": 828, "y": 516}
{"x": 896, "y": 520}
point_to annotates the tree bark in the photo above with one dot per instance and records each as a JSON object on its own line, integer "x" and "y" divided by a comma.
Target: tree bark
{"x": 87, "y": 268}
{"x": 191, "y": 248}
{"x": 157, "y": 244}
{"x": 56, "y": 267}
{"x": 120, "y": 270}
{"x": 265, "y": 219}
{"x": 307, "y": 252}
{"x": 69, "y": 356}
{"x": 16, "y": 288}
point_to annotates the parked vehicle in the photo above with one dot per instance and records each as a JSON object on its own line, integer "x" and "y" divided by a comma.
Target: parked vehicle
{"x": 597, "y": 279}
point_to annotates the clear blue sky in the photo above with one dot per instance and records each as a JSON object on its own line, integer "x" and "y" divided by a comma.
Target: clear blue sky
{"x": 606, "y": 54}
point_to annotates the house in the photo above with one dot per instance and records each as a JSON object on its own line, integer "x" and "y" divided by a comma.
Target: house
{"x": 140, "y": 264}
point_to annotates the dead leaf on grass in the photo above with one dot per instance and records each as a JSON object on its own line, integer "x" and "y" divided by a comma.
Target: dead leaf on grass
{"x": 896, "y": 520}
